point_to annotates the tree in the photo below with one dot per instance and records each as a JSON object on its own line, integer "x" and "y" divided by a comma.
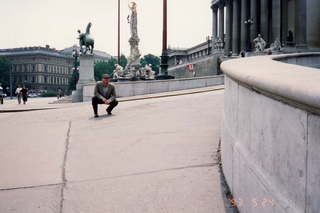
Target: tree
{"x": 74, "y": 80}
{"x": 153, "y": 60}
{"x": 123, "y": 61}
{"x": 5, "y": 66}
{"x": 104, "y": 67}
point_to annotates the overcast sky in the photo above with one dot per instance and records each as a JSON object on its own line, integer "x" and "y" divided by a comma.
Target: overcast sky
{"x": 55, "y": 22}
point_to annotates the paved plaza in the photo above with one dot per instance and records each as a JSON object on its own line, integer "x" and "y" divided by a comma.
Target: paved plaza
{"x": 153, "y": 155}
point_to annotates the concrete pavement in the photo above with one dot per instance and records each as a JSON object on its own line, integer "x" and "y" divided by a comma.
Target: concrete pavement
{"x": 153, "y": 155}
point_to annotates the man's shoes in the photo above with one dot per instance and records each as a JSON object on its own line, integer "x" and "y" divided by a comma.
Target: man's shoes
{"x": 96, "y": 116}
{"x": 109, "y": 112}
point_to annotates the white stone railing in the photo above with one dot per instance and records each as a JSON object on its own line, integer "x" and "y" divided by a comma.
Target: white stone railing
{"x": 134, "y": 88}
{"x": 271, "y": 133}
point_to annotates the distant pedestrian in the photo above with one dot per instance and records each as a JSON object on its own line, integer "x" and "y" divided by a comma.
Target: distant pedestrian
{"x": 104, "y": 93}
{"x": 24, "y": 93}
{"x": 1, "y": 94}
{"x": 59, "y": 95}
{"x": 18, "y": 94}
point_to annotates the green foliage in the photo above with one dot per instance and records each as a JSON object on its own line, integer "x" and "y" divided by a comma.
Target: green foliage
{"x": 153, "y": 60}
{"x": 49, "y": 94}
{"x": 5, "y": 67}
{"x": 123, "y": 61}
{"x": 74, "y": 80}
{"x": 101, "y": 68}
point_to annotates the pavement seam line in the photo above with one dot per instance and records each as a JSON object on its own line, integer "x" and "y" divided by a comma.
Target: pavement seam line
{"x": 148, "y": 172}
{"x": 30, "y": 187}
{"x": 64, "y": 163}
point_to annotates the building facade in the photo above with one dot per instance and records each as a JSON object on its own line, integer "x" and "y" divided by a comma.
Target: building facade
{"x": 295, "y": 23}
{"x": 200, "y": 58}
{"x": 39, "y": 68}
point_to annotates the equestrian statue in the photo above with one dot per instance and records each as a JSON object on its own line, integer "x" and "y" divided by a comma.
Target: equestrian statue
{"x": 86, "y": 42}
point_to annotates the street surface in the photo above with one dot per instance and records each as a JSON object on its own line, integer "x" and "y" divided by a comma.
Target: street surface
{"x": 155, "y": 155}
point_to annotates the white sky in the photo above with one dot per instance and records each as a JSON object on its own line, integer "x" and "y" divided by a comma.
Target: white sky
{"x": 55, "y": 22}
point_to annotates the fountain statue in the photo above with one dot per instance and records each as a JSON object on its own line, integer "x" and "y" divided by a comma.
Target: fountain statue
{"x": 134, "y": 59}
{"x": 133, "y": 71}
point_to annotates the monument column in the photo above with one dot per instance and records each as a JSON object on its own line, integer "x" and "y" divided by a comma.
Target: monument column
{"x": 276, "y": 20}
{"x": 264, "y": 20}
{"x": 236, "y": 27}
{"x": 244, "y": 28}
{"x": 254, "y": 18}
{"x": 221, "y": 21}
{"x": 228, "y": 47}
{"x": 284, "y": 21}
{"x": 214, "y": 21}
{"x": 301, "y": 23}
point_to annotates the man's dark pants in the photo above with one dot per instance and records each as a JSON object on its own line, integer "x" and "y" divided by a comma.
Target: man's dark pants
{"x": 96, "y": 101}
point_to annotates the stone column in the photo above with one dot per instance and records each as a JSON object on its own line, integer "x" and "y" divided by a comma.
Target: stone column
{"x": 254, "y": 18}
{"x": 221, "y": 21}
{"x": 301, "y": 23}
{"x": 244, "y": 27}
{"x": 284, "y": 21}
{"x": 313, "y": 20}
{"x": 228, "y": 47}
{"x": 236, "y": 27}
{"x": 276, "y": 20}
{"x": 214, "y": 21}
{"x": 264, "y": 20}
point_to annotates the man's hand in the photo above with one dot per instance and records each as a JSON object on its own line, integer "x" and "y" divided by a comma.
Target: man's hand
{"x": 105, "y": 101}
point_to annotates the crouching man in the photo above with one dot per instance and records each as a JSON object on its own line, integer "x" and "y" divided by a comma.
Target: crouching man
{"x": 104, "y": 93}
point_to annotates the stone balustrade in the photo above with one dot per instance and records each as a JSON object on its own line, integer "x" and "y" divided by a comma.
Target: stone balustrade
{"x": 134, "y": 88}
{"x": 271, "y": 133}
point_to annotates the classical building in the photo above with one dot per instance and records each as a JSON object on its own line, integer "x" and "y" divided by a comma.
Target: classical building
{"x": 295, "y": 23}
{"x": 39, "y": 68}
{"x": 199, "y": 56}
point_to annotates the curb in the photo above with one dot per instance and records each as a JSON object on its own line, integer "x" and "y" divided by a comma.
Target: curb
{"x": 127, "y": 99}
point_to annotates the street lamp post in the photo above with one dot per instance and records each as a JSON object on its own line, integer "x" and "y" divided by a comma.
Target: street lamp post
{"x": 164, "y": 57}
{"x": 248, "y": 23}
{"x": 11, "y": 92}
{"x": 75, "y": 55}
{"x": 118, "y": 31}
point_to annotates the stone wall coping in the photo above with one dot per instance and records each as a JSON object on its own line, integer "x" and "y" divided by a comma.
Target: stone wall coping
{"x": 163, "y": 81}
{"x": 292, "y": 82}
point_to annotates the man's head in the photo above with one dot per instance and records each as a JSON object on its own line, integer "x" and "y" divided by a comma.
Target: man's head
{"x": 105, "y": 78}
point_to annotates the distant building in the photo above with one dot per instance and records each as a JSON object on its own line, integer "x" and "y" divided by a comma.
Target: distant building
{"x": 200, "y": 57}
{"x": 98, "y": 55}
{"x": 44, "y": 68}
{"x": 39, "y": 67}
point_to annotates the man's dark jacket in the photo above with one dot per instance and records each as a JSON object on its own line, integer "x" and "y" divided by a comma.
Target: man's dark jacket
{"x": 99, "y": 91}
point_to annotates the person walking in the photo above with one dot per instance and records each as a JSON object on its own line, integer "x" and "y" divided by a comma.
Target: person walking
{"x": 1, "y": 94}
{"x": 104, "y": 93}
{"x": 24, "y": 94}
{"x": 18, "y": 94}
{"x": 59, "y": 95}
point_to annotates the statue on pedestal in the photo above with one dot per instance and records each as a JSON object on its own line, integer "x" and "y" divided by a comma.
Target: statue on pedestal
{"x": 147, "y": 73}
{"x": 86, "y": 41}
{"x": 118, "y": 72}
{"x": 259, "y": 44}
{"x": 275, "y": 46}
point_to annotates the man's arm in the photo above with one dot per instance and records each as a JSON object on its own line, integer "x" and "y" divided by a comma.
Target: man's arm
{"x": 113, "y": 94}
{"x": 97, "y": 94}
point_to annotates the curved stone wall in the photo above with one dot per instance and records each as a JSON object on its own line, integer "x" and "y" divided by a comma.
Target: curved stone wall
{"x": 271, "y": 133}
